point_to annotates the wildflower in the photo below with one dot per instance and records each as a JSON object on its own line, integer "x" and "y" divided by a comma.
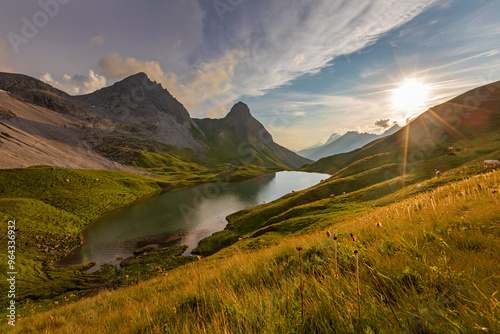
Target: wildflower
{"x": 352, "y": 237}
{"x": 379, "y": 225}
{"x": 299, "y": 249}
{"x": 199, "y": 258}
{"x": 328, "y": 234}
{"x": 240, "y": 239}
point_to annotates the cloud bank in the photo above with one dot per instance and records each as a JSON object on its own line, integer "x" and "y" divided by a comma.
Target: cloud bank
{"x": 259, "y": 46}
{"x": 76, "y": 84}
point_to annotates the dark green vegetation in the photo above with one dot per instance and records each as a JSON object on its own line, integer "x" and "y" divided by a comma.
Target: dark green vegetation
{"x": 152, "y": 134}
{"x": 151, "y": 263}
{"x": 382, "y": 172}
{"x": 51, "y": 205}
{"x": 428, "y": 264}
{"x": 314, "y": 208}
{"x": 255, "y": 145}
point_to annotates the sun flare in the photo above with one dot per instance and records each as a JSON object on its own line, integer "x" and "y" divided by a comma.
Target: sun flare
{"x": 410, "y": 96}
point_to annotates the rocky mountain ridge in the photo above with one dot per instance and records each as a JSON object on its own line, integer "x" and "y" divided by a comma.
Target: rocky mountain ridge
{"x": 347, "y": 142}
{"x": 257, "y": 144}
{"x": 126, "y": 120}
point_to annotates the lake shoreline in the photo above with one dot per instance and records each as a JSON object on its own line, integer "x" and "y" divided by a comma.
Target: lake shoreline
{"x": 55, "y": 261}
{"x": 188, "y": 237}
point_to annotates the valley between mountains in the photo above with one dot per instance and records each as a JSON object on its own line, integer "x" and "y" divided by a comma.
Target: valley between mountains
{"x": 384, "y": 244}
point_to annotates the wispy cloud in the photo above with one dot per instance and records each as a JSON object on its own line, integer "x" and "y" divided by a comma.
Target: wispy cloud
{"x": 326, "y": 114}
{"x": 284, "y": 41}
{"x": 96, "y": 40}
{"x": 460, "y": 61}
{"x": 322, "y": 66}
{"x": 113, "y": 66}
{"x": 290, "y": 38}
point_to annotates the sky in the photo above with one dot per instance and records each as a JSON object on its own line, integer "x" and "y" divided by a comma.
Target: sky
{"x": 306, "y": 69}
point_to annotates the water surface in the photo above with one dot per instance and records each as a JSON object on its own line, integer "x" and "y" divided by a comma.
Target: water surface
{"x": 180, "y": 217}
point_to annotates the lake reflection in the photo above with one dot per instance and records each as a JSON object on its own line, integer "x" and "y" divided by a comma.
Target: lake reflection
{"x": 180, "y": 217}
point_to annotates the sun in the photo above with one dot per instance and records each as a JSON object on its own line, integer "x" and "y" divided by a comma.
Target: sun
{"x": 410, "y": 96}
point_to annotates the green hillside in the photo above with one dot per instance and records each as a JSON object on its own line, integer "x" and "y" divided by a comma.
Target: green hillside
{"x": 426, "y": 261}
{"x": 226, "y": 145}
{"x": 51, "y": 206}
{"x": 383, "y": 171}
{"x": 427, "y": 264}
{"x": 471, "y": 120}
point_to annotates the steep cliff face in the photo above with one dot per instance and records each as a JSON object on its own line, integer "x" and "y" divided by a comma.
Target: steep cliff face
{"x": 239, "y": 136}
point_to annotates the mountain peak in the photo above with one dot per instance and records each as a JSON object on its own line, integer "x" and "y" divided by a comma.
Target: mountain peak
{"x": 143, "y": 100}
{"x": 138, "y": 79}
{"x": 139, "y": 75}
{"x": 391, "y": 130}
{"x": 239, "y": 111}
{"x": 333, "y": 138}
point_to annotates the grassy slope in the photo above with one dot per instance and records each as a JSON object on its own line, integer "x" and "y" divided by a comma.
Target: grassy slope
{"x": 371, "y": 176}
{"x": 390, "y": 167}
{"x": 226, "y": 145}
{"x": 52, "y": 205}
{"x": 378, "y": 185}
{"x": 432, "y": 267}
{"x": 184, "y": 166}
{"x": 470, "y": 120}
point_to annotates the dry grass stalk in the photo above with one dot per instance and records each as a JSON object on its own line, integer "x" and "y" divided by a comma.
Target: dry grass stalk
{"x": 53, "y": 323}
{"x": 336, "y": 263}
{"x": 377, "y": 283}
{"x": 199, "y": 288}
{"x": 301, "y": 288}
{"x": 358, "y": 291}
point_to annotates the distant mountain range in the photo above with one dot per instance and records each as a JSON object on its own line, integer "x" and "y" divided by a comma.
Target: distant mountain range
{"x": 470, "y": 120}
{"x": 122, "y": 126}
{"x": 350, "y": 141}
